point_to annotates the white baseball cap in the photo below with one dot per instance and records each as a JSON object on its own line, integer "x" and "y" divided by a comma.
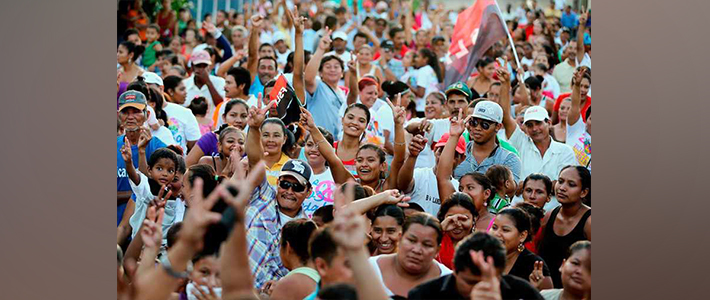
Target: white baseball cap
{"x": 152, "y": 78}
{"x": 278, "y": 36}
{"x": 488, "y": 110}
{"x": 340, "y": 35}
{"x": 536, "y": 113}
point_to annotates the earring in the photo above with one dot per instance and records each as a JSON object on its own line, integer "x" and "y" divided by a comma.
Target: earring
{"x": 521, "y": 247}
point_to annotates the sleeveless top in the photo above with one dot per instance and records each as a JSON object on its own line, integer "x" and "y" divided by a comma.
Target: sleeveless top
{"x": 310, "y": 272}
{"x": 553, "y": 248}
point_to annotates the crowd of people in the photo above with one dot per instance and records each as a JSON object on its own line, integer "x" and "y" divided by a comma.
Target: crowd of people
{"x": 389, "y": 184}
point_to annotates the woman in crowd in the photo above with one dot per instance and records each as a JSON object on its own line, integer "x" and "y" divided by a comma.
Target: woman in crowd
{"x": 365, "y": 65}
{"x": 559, "y": 130}
{"x": 482, "y": 82}
{"x": 536, "y": 215}
{"x": 129, "y": 69}
{"x": 576, "y": 272}
{"x": 386, "y": 229}
{"x": 198, "y": 106}
{"x": 302, "y": 277}
{"x": 413, "y": 263}
{"x": 502, "y": 179}
{"x": 174, "y": 89}
{"x": 537, "y": 189}
{"x": 321, "y": 179}
{"x": 513, "y": 227}
{"x": 568, "y": 223}
{"x": 235, "y": 114}
{"x": 273, "y": 136}
{"x": 456, "y": 216}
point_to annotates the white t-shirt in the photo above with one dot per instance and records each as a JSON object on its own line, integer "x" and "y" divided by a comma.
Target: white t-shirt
{"x": 143, "y": 198}
{"x": 581, "y": 142}
{"x": 586, "y": 61}
{"x": 323, "y": 187}
{"x": 426, "y": 158}
{"x": 193, "y": 91}
{"x": 556, "y": 157}
{"x": 282, "y": 58}
{"x": 425, "y": 77}
{"x": 283, "y": 218}
{"x": 373, "y": 262}
{"x": 527, "y": 61}
{"x": 183, "y": 124}
{"x": 426, "y": 192}
{"x": 164, "y": 135}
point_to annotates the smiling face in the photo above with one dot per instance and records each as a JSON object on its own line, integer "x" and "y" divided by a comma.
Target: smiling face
{"x": 267, "y": 70}
{"x": 332, "y": 71}
{"x": 386, "y": 234}
{"x": 488, "y": 70}
{"x": 162, "y": 171}
{"x": 354, "y": 122}
{"x": 272, "y": 138}
{"x": 417, "y": 248}
{"x": 364, "y": 56}
{"x": 289, "y": 199}
{"x": 234, "y": 141}
{"x": 504, "y": 229}
{"x": 462, "y": 231}
{"x": 434, "y": 108}
{"x": 576, "y": 272}
{"x": 564, "y": 110}
{"x": 538, "y": 131}
{"x": 535, "y": 193}
{"x": 368, "y": 95}
{"x": 313, "y": 154}
{"x": 368, "y": 165}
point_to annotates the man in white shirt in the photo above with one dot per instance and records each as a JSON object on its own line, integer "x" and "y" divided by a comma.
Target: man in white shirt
{"x": 200, "y": 83}
{"x": 282, "y": 50}
{"x": 339, "y": 47}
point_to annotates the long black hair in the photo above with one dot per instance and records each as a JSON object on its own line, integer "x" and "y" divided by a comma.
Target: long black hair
{"x": 433, "y": 62}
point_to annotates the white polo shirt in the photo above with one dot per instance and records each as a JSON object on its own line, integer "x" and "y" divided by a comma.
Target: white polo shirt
{"x": 193, "y": 91}
{"x": 556, "y": 157}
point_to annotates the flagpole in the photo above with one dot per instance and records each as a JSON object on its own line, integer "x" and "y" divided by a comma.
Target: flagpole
{"x": 510, "y": 38}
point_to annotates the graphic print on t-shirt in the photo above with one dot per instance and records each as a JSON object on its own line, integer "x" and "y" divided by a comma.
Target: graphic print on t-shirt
{"x": 322, "y": 195}
{"x": 583, "y": 149}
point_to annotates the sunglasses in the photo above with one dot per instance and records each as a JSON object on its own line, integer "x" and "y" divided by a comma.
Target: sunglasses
{"x": 484, "y": 124}
{"x": 296, "y": 187}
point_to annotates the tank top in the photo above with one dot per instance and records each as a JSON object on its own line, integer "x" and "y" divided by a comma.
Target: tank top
{"x": 553, "y": 248}
{"x": 310, "y": 272}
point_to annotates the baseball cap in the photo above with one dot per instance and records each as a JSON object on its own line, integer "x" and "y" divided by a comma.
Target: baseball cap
{"x": 387, "y": 44}
{"x": 200, "y": 57}
{"x": 488, "y": 110}
{"x": 460, "y": 87}
{"x": 152, "y": 78}
{"x": 381, "y": 5}
{"x": 460, "y": 146}
{"x": 340, "y": 35}
{"x": 132, "y": 99}
{"x": 278, "y": 36}
{"x": 298, "y": 169}
{"x": 368, "y": 3}
{"x": 535, "y": 113}
{"x": 392, "y": 88}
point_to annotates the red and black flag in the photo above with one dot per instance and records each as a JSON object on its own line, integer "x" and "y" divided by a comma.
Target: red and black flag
{"x": 287, "y": 103}
{"x": 477, "y": 29}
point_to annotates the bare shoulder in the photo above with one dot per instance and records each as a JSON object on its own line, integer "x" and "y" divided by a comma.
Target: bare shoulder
{"x": 294, "y": 286}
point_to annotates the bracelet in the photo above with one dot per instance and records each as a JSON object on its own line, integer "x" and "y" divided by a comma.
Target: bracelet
{"x": 318, "y": 143}
{"x": 165, "y": 263}
{"x": 400, "y": 144}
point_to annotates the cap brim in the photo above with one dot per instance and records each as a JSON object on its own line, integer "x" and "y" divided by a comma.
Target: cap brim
{"x": 483, "y": 117}
{"x": 209, "y": 63}
{"x": 535, "y": 118}
{"x": 134, "y": 105}
{"x": 302, "y": 180}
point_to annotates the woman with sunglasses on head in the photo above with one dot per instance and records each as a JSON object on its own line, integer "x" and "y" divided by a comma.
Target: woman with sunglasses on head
{"x": 568, "y": 223}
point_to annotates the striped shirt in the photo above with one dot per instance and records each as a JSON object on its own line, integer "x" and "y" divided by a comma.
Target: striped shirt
{"x": 263, "y": 234}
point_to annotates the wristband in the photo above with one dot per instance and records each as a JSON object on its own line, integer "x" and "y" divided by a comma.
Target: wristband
{"x": 165, "y": 263}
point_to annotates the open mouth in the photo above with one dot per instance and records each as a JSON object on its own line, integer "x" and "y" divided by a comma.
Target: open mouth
{"x": 386, "y": 246}
{"x": 314, "y": 155}
{"x": 364, "y": 171}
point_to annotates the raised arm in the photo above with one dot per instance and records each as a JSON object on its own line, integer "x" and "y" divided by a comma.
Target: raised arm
{"x": 337, "y": 169}
{"x": 352, "y": 82}
{"x": 253, "y": 56}
{"x": 400, "y": 147}
{"x": 255, "y": 152}
{"x": 408, "y": 21}
{"x": 143, "y": 141}
{"x": 580, "y": 36}
{"x": 445, "y": 168}
{"x": 229, "y": 63}
{"x": 508, "y": 121}
{"x": 575, "y": 109}
{"x": 299, "y": 25}
{"x": 127, "y": 156}
{"x": 314, "y": 63}
{"x": 405, "y": 182}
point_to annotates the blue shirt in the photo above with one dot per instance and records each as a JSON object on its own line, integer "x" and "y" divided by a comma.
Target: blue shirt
{"x": 122, "y": 176}
{"x": 324, "y": 104}
{"x": 256, "y": 87}
{"x": 499, "y": 156}
{"x": 569, "y": 20}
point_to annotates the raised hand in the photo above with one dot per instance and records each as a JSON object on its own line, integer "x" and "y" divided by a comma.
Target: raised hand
{"x": 144, "y": 138}
{"x": 352, "y": 64}
{"x": 202, "y": 295}
{"x": 453, "y": 221}
{"x": 503, "y": 75}
{"x": 243, "y": 185}
{"x": 152, "y": 229}
{"x": 488, "y": 288}
{"x": 126, "y": 152}
{"x": 307, "y": 120}
{"x": 394, "y": 197}
{"x": 257, "y": 21}
{"x": 417, "y": 145}
{"x": 257, "y": 114}
{"x": 577, "y": 77}
{"x": 200, "y": 216}
{"x": 325, "y": 41}
{"x": 209, "y": 27}
{"x": 398, "y": 111}
{"x": 536, "y": 276}
{"x": 162, "y": 198}
{"x": 457, "y": 124}
{"x": 425, "y": 126}
{"x": 349, "y": 228}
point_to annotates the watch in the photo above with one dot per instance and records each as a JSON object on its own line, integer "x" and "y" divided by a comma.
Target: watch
{"x": 165, "y": 262}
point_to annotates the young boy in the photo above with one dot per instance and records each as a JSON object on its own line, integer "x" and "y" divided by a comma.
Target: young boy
{"x": 162, "y": 166}
{"x": 152, "y": 34}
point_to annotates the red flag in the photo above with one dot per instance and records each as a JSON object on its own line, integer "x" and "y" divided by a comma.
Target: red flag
{"x": 477, "y": 29}
{"x": 288, "y": 105}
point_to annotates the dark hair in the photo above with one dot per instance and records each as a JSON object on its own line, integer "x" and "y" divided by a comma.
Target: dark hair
{"x": 338, "y": 291}
{"x": 172, "y": 234}
{"x": 137, "y": 50}
{"x": 164, "y": 53}
{"x": 154, "y": 26}
{"x": 317, "y": 25}
{"x": 325, "y": 212}
{"x": 415, "y": 206}
{"x": 266, "y": 45}
{"x": 328, "y": 58}
{"x": 424, "y": 219}
{"x": 162, "y": 153}
{"x": 330, "y": 21}
{"x": 438, "y": 96}
{"x": 542, "y": 67}
{"x": 276, "y": 64}
{"x": 181, "y": 167}
{"x": 456, "y": 199}
{"x": 340, "y": 10}
{"x": 395, "y": 30}
{"x": 437, "y": 38}
{"x": 498, "y": 174}
{"x": 389, "y": 210}
{"x": 380, "y": 153}
{"x": 579, "y": 246}
{"x": 228, "y": 107}
{"x": 484, "y": 181}
{"x": 204, "y": 254}
{"x": 139, "y": 85}
{"x": 241, "y": 76}
{"x": 534, "y": 82}
{"x": 223, "y": 132}
{"x": 207, "y": 174}
{"x": 585, "y": 180}
{"x": 360, "y": 106}
{"x": 326, "y": 134}
{"x": 362, "y": 35}
{"x": 535, "y": 213}
{"x": 321, "y": 245}
{"x": 478, "y": 241}
{"x": 130, "y": 32}
{"x": 483, "y": 62}
{"x": 278, "y": 121}
{"x": 198, "y": 106}
{"x": 296, "y": 234}
{"x": 521, "y": 219}
{"x": 588, "y": 114}
{"x": 213, "y": 52}
{"x": 432, "y": 61}
{"x": 171, "y": 82}
{"x": 542, "y": 177}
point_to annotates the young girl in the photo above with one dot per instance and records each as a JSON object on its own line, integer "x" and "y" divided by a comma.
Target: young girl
{"x": 321, "y": 179}
{"x": 235, "y": 114}
{"x": 456, "y": 216}
{"x": 504, "y": 182}
{"x": 152, "y": 189}
{"x": 231, "y": 149}
{"x": 198, "y": 106}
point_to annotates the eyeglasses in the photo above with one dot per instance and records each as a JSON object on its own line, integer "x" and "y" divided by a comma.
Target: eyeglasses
{"x": 296, "y": 187}
{"x": 484, "y": 124}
